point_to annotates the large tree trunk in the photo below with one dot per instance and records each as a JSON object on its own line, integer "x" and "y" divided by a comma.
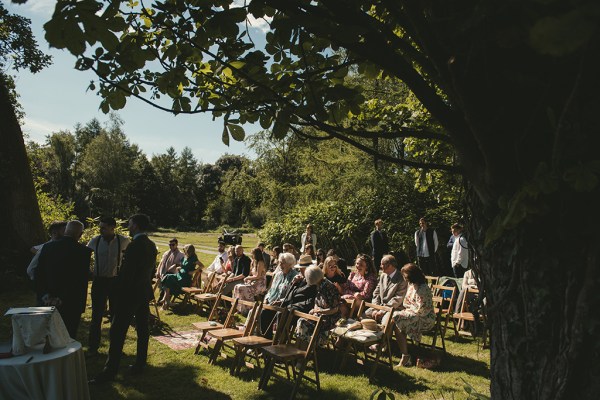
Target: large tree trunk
{"x": 19, "y": 212}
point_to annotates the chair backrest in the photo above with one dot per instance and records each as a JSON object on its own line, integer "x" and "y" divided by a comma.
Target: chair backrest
{"x": 221, "y": 285}
{"x": 465, "y": 307}
{"x": 386, "y": 322}
{"x": 214, "y": 310}
{"x": 282, "y": 315}
{"x": 289, "y": 329}
{"x": 197, "y": 278}
{"x": 231, "y": 314}
{"x": 431, "y": 280}
{"x": 208, "y": 286}
{"x": 255, "y": 307}
{"x": 354, "y": 305}
{"x": 445, "y": 297}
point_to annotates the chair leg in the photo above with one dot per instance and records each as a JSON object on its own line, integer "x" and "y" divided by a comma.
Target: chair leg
{"x": 317, "y": 380}
{"x": 238, "y": 351}
{"x": 264, "y": 380}
{"x": 299, "y": 377}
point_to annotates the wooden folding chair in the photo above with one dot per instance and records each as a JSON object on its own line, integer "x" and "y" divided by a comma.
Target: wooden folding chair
{"x": 188, "y": 290}
{"x": 447, "y": 296}
{"x": 364, "y": 340}
{"x": 466, "y": 314}
{"x": 290, "y": 353}
{"x": 249, "y": 346}
{"x": 213, "y": 321}
{"x": 205, "y": 299}
{"x": 226, "y": 334}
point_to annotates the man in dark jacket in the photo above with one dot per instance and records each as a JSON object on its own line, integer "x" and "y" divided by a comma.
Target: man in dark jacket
{"x": 379, "y": 243}
{"x": 62, "y": 275}
{"x": 132, "y": 292}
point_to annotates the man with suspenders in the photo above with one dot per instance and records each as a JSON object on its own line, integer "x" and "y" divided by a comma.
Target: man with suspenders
{"x": 108, "y": 250}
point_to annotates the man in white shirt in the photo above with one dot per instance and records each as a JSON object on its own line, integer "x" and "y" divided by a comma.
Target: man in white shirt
{"x": 216, "y": 267}
{"x": 460, "y": 252}
{"x": 108, "y": 249}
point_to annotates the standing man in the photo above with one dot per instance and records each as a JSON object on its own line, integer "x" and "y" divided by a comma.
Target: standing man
{"x": 390, "y": 290}
{"x": 132, "y": 292}
{"x": 427, "y": 243}
{"x": 62, "y": 275}
{"x": 56, "y": 231}
{"x": 459, "y": 258}
{"x": 379, "y": 243}
{"x": 108, "y": 249}
{"x": 240, "y": 270}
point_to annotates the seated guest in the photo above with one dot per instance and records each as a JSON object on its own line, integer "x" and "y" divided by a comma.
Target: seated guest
{"x": 240, "y": 270}
{"x": 218, "y": 264}
{"x": 468, "y": 281}
{"x": 265, "y": 254}
{"x": 310, "y": 250}
{"x": 333, "y": 274}
{"x": 289, "y": 248}
{"x": 327, "y": 305}
{"x": 418, "y": 315}
{"x": 390, "y": 289}
{"x": 172, "y": 283}
{"x": 301, "y": 295}
{"x": 320, "y": 257}
{"x": 362, "y": 281}
{"x": 255, "y": 283}
{"x": 171, "y": 259}
{"x": 282, "y": 282}
{"x": 275, "y": 258}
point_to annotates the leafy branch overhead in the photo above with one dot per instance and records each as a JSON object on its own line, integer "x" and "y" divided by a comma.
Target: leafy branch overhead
{"x": 191, "y": 57}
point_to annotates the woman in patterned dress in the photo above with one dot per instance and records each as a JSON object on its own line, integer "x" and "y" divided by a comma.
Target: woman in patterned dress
{"x": 255, "y": 283}
{"x": 327, "y": 305}
{"x": 418, "y": 315}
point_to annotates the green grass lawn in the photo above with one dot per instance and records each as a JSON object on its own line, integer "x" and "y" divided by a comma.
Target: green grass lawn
{"x": 183, "y": 375}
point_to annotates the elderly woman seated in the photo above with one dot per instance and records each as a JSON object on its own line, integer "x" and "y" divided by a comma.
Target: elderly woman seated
{"x": 327, "y": 305}
{"x": 282, "y": 283}
{"x": 418, "y": 315}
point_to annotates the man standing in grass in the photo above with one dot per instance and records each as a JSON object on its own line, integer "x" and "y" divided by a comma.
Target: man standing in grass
{"x": 132, "y": 292}
{"x": 108, "y": 248}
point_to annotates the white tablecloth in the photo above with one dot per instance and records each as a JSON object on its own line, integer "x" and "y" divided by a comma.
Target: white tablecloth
{"x": 58, "y": 375}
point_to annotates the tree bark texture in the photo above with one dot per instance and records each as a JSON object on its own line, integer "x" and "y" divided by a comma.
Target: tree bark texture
{"x": 21, "y": 223}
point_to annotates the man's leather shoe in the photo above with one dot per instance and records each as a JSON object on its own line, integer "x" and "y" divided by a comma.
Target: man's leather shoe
{"x": 135, "y": 369}
{"x": 102, "y": 377}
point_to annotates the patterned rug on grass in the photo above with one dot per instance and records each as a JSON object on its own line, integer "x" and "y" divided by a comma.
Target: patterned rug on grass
{"x": 179, "y": 340}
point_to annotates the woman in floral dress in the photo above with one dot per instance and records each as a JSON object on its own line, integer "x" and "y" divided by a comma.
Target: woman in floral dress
{"x": 418, "y": 315}
{"x": 327, "y": 305}
{"x": 255, "y": 283}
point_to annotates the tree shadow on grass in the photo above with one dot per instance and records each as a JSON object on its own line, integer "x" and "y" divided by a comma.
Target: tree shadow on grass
{"x": 172, "y": 380}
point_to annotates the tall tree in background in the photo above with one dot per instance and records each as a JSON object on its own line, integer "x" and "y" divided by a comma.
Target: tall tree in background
{"x": 21, "y": 221}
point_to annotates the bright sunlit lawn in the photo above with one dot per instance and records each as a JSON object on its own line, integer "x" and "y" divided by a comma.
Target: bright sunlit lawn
{"x": 180, "y": 374}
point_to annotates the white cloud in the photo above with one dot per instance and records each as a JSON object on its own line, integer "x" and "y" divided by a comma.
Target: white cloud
{"x": 261, "y": 24}
{"x": 37, "y": 130}
{"x": 44, "y": 7}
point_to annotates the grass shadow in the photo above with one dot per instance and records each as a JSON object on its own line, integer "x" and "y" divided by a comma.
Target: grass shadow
{"x": 172, "y": 380}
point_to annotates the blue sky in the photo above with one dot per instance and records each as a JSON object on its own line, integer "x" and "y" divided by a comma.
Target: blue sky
{"x": 56, "y": 99}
